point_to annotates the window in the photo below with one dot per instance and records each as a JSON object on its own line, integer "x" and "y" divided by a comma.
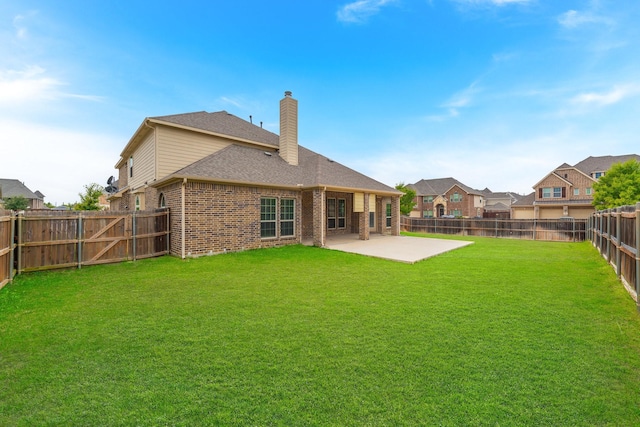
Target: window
{"x": 137, "y": 203}
{"x": 576, "y": 191}
{"x": 342, "y": 213}
{"x": 456, "y": 212}
{"x": 546, "y": 192}
{"x": 427, "y": 199}
{"x": 131, "y": 167}
{"x": 598, "y": 175}
{"x": 287, "y": 214}
{"x": 428, "y": 213}
{"x": 388, "y": 212}
{"x": 161, "y": 202}
{"x": 331, "y": 213}
{"x": 267, "y": 217}
{"x": 557, "y": 192}
{"x": 372, "y": 219}
{"x": 587, "y": 191}
{"x": 455, "y": 197}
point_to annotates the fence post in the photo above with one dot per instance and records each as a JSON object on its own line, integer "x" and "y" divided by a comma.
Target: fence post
{"x": 20, "y": 243}
{"x": 619, "y": 240}
{"x": 12, "y": 244}
{"x": 638, "y": 255}
{"x": 79, "y": 240}
{"x": 133, "y": 237}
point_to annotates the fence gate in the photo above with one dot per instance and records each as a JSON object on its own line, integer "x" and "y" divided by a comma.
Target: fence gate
{"x": 47, "y": 240}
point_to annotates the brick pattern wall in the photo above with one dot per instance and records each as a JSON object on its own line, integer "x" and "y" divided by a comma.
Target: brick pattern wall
{"x": 577, "y": 179}
{"x": 307, "y": 215}
{"x": 395, "y": 216}
{"x": 221, "y": 218}
{"x": 319, "y": 218}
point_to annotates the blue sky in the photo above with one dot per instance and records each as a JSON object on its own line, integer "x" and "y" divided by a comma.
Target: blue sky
{"x": 496, "y": 93}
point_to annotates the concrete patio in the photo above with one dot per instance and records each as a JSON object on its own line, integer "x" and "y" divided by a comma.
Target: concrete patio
{"x": 396, "y": 248}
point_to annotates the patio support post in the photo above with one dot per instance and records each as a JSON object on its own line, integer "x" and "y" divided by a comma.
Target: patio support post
{"x": 363, "y": 231}
{"x": 319, "y": 215}
{"x": 395, "y": 215}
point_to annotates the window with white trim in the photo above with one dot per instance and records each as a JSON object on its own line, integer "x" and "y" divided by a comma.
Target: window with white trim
{"x": 576, "y": 191}
{"x": 161, "y": 202}
{"x": 456, "y": 197}
{"x": 428, "y": 213}
{"x": 342, "y": 213}
{"x": 388, "y": 214}
{"x": 287, "y": 216}
{"x": 427, "y": 199}
{"x": 267, "y": 217}
{"x": 331, "y": 214}
{"x": 587, "y": 191}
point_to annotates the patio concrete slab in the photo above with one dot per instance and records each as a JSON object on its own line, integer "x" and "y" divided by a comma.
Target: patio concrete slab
{"x": 396, "y": 248}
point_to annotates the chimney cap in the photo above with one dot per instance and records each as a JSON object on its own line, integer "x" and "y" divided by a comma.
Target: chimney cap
{"x": 287, "y": 93}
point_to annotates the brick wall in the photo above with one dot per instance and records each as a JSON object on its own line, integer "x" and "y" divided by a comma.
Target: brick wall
{"x": 220, "y": 218}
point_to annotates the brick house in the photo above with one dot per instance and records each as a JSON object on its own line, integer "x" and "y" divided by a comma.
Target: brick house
{"x": 231, "y": 185}
{"x": 14, "y": 188}
{"x": 446, "y": 197}
{"x": 567, "y": 191}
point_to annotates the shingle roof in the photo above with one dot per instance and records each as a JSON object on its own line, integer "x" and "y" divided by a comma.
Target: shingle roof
{"x": 525, "y": 200}
{"x": 223, "y": 123}
{"x": 603, "y": 163}
{"x": 13, "y": 188}
{"x": 268, "y": 168}
{"x": 439, "y": 186}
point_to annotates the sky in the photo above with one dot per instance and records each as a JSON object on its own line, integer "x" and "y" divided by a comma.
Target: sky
{"x": 495, "y": 93}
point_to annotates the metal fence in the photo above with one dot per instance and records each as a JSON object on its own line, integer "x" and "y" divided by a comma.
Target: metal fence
{"x": 616, "y": 235}
{"x": 42, "y": 240}
{"x": 566, "y": 230}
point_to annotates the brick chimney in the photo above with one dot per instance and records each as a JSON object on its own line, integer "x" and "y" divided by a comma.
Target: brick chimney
{"x": 289, "y": 129}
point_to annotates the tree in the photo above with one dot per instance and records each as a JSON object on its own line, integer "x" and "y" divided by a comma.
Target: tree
{"x": 407, "y": 202}
{"x": 90, "y": 199}
{"x": 17, "y": 203}
{"x": 620, "y": 186}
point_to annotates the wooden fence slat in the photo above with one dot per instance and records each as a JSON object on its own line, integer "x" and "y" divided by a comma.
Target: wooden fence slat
{"x": 48, "y": 239}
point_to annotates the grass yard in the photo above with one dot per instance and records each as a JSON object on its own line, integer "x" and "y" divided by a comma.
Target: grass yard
{"x": 501, "y": 332}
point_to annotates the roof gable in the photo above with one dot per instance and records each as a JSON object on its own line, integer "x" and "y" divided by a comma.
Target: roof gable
{"x": 440, "y": 186}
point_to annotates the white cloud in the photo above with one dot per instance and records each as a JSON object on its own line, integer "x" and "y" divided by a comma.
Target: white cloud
{"x": 462, "y": 99}
{"x": 613, "y": 96}
{"x": 32, "y": 85}
{"x": 359, "y": 11}
{"x": 574, "y": 19}
{"x": 491, "y": 2}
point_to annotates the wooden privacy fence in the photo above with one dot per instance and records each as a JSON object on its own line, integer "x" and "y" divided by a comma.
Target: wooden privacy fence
{"x": 616, "y": 235}
{"x": 566, "y": 230}
{"x": 42, "y": 240}
{"x": 6, "y": 247}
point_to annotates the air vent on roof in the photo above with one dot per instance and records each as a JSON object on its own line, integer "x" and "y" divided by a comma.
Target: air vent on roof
{"x": 330, "y": 160}
{"x": 266, "y": 153}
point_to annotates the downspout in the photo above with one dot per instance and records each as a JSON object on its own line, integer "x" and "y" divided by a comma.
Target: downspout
{"x": 184, "y": 186}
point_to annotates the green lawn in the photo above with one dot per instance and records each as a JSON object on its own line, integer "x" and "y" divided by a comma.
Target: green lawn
{"x": 501, "y": 332}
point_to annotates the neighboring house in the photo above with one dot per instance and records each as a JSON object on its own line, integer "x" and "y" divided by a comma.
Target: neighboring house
{"x": 567, "y": 191}
{"x": 498, "y": 205}
{"x": 15, "y": 188}
{"x": 436, "y": 198}
{"x": 232, "y": 185}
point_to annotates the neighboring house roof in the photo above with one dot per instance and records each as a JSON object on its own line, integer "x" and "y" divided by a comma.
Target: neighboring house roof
{"x": 246, "y": 165}
{"x": 439, "y": 186}
{"x": 14, "y": 188}
{"x": 525, "y": 200}
{"x": 592, "y": 164}
{"x": 497, "y": 207}
{"x": 223, "y": 123}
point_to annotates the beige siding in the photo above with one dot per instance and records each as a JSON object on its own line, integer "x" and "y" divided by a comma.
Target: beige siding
{"x": 522, "y": 213}
{"x": 144, "y": 165}
{"x": 551, "y": 213}
{"x": 358, "y": 202}
{"x": 178, "y": 148}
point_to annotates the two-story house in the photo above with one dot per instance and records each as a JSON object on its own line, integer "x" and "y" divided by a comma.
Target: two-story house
{"x": 232, "y": 185}
{"x": 567, "y": 191}
{"x": 436, "y": 198}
